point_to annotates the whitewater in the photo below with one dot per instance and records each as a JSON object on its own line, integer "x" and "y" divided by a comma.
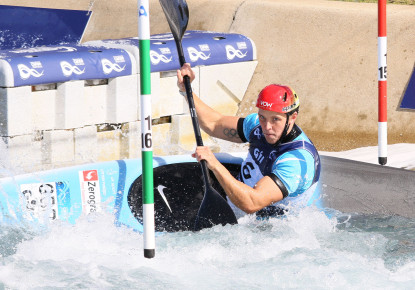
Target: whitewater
{"x": 307, "y": 250}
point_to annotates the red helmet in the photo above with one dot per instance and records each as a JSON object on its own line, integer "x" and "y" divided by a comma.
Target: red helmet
{"x": 277, "y": 98}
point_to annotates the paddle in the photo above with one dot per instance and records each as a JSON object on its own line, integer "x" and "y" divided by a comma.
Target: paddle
{"x": 214, "y": 209}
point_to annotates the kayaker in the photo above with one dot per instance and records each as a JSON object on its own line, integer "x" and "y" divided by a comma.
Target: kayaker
{"x": 282, "y": 167}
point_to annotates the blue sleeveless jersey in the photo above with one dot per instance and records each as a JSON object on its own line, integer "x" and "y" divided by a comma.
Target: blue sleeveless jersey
{"x": 296, "y": 163}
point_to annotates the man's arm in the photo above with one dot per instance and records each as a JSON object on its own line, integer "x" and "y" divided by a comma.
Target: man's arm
{"x": 248, "y": 199}
{"x": 212, "y": 122}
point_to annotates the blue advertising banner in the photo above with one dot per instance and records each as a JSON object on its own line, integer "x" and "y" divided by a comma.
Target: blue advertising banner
{"x": 61, "y": 64}
{"x": 408, "y": 101}
{"x": 22, "y": 27}
{"x": 199, "y": 47}
{"x": 114, "y": 58}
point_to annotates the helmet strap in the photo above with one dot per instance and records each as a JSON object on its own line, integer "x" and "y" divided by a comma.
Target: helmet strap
{"x": 284, "y": 132}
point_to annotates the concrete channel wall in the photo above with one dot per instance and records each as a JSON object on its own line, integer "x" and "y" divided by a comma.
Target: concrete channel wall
{"x": 325, "y": 50}
{"x": 82, "y": 121}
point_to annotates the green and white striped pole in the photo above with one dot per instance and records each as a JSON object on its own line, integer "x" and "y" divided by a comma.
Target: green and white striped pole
{"x": 146, "y": 132}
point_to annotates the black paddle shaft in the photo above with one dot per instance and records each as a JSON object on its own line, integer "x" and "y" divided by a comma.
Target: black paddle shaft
{"x": 178, "y": 34}
{"x": 214, "y": 209}
{"x": 196, "y": 127}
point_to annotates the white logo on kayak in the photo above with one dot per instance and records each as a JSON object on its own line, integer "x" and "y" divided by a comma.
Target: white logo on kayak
{"x": 69, "y": 69}
{"x": 195, "y": 54}
{"x": 157, "y": 58}
{"x": 90, "y": 175}
{"x": 231, "y": 52}
{"x": 26, "y": 72}
{"x": 160, "y": 189}
{"x": 108, "y": 67}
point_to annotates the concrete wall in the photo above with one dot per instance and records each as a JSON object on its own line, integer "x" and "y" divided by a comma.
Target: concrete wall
{"x": 325, "y": 50}
{"x": 62, "y": 124}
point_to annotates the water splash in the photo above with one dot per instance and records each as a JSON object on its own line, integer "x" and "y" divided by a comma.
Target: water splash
{"x": 303, "y": 250}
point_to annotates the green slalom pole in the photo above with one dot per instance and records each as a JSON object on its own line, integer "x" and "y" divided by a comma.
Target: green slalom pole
{"x": 146, "y": 132}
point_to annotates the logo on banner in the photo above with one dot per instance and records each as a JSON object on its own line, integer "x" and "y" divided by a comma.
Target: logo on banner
{"x": 108, "y": 66}
{"x": 195, "y": 54}
{"x": 231, "y": 52}
{"x": 157, "y": 58}
{"x": 69, "y": 69}
{"x": 90, "y": 189}
{"x": 26, "y": 72}
{"x": 142, "y": 11}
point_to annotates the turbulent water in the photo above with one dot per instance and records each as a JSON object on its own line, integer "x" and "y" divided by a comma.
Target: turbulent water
{"x": 303, "y": 250}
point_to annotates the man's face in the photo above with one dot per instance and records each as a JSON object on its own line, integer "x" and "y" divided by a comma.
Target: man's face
{"x": 272, "y": 124}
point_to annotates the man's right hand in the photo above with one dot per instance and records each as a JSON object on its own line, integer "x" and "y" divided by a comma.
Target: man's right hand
{"x": 185, "y": 70}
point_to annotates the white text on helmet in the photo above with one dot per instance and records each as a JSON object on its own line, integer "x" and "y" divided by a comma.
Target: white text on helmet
{"x": 266, "y": 104}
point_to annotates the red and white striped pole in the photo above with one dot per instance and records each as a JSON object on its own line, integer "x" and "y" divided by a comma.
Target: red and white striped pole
{"x": 382, "y": 82}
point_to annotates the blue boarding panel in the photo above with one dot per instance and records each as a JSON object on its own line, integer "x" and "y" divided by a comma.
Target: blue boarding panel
{"x": 408, "y": 101}
{"x": 115, "y": 58}
{"x": 22, "y": 27}
{"x": 200, "y": 48}
{"x": 64, "y": 63}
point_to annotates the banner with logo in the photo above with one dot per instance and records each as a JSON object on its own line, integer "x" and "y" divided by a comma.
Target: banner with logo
{"x": 200, "y": 48}
{"x": 64, "y": 63}
{"x": 115, "y": 58}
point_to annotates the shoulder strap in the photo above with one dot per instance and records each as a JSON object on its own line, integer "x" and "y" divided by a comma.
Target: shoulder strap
{"x": 302, "y": 144}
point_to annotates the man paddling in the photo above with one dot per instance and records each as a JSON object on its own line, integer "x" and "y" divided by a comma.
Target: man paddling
{"x": 282, "y": 167}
